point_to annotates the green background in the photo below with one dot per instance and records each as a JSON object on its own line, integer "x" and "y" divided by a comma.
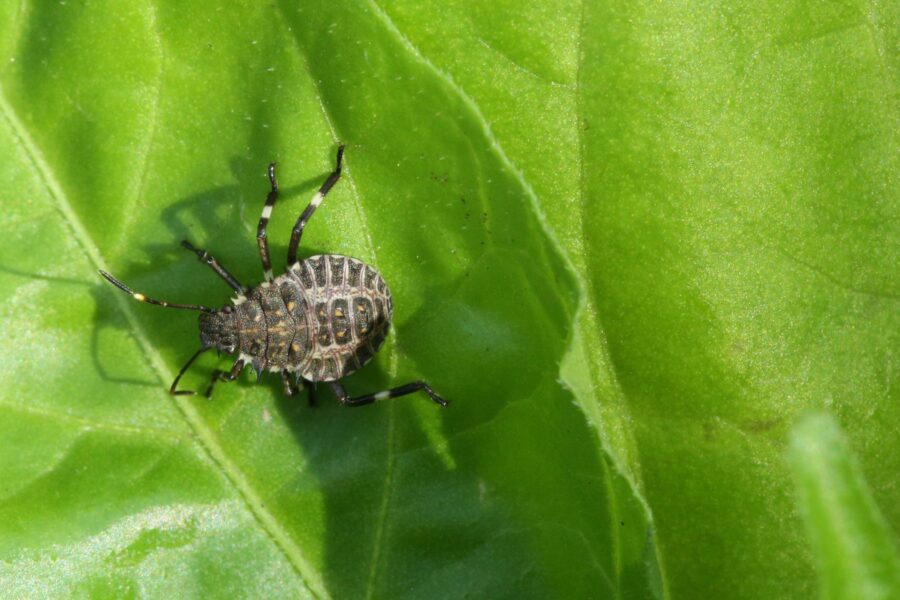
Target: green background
{"x": 649, "y": 251}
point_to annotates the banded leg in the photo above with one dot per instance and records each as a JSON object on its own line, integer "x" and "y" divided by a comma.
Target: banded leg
{"x": 210, "y": 260}
{"x": 261, "y": 238}
{"x": 220, "y": 375}
{"x": 402, "y": 390}
{"x": 311, "y": 208}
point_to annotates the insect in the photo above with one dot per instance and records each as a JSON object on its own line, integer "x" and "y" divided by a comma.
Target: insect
{"x": 321, "y": 320}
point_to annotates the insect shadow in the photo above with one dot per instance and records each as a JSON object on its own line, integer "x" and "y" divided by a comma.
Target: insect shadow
{"x": 65, "y": 285}
{"x": 222, "y": 220}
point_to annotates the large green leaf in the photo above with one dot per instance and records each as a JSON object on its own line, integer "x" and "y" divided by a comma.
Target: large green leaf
{"x": 686, "y": 215}
{"x": 126, "y": 130}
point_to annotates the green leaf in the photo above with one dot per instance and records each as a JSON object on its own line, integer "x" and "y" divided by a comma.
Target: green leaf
{"x": 629, "y": 240}
{"x": 126, "y": 129}
{"x": 725, "y": 179}
{"x": 853, "y": 544}
{"x": 742, "y": 170}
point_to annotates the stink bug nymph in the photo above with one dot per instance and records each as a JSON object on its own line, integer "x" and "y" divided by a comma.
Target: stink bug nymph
{"x": 322, "y": 319}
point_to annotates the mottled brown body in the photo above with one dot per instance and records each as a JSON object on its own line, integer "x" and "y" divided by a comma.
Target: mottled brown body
{"x": 324, "y": 318}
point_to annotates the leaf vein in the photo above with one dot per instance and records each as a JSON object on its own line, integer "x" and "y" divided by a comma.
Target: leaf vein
{"x": 89, "y": 423}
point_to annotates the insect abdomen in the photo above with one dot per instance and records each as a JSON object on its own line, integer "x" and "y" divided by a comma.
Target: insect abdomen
{"x": 273, "y": 326}
{"x": 351, "y": 308}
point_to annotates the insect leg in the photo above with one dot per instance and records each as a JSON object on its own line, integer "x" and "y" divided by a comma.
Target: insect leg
{"x": 183, "y": 370}
{"x": 298, "y": 385}
{"x": 402, "y": 390}
{"x": 220, "y": 375}
{"x": 142, "y": 298}
{"x": 210, "y": 260}
{"x": 261, "y": 238}
{"x": 286, "y": 383}
{"x": 311, "y": 208}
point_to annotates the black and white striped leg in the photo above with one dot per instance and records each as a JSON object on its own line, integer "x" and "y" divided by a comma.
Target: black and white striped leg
{"x": 402, "y": 390}
{"x": 311, "y": 208}
{"x": 220, "y": 375}
{"x": 142, "y": 298}
{"x": 261, "y": 238}
{"x": 210, "y": 260}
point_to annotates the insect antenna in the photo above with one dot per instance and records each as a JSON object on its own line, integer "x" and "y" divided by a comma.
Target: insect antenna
{"x": 142, "y": 298}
